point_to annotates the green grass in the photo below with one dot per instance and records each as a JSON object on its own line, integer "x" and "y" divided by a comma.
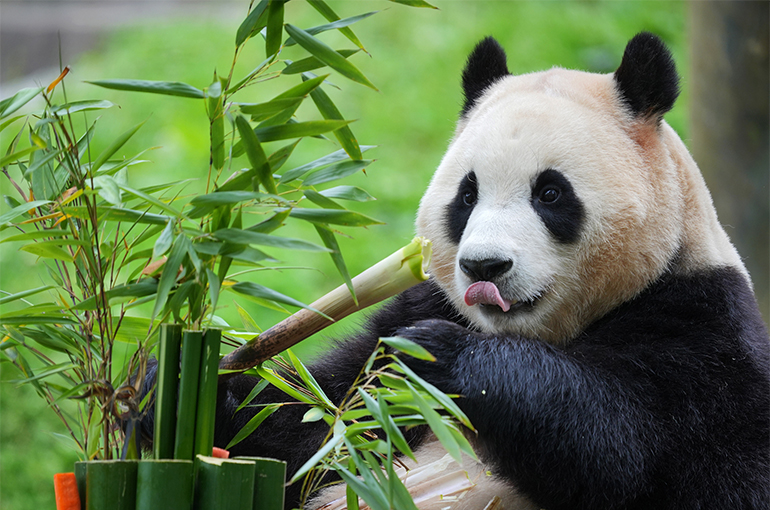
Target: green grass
{"x": 416, "y": 60}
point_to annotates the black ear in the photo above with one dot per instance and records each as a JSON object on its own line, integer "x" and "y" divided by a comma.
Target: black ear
{"x": 486, "y": 64}
{"x": 647, "y": 78}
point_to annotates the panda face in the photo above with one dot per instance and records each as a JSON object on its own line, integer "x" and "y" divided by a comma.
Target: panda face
{"x": 537, "y": 207}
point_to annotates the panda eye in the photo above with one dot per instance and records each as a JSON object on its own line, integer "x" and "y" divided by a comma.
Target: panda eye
{"x": 469, "y": 198}
{"x": 549, "y": 194}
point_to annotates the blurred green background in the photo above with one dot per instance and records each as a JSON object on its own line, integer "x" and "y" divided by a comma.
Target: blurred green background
{"x": 416, "y": 59}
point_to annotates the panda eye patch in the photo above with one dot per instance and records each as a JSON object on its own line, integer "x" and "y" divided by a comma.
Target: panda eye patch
{"x": 460, "y": 208}
{"x": 555, "y": 201}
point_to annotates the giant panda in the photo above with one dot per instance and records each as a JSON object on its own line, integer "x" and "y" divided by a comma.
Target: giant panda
{"x": 584, "y": 302}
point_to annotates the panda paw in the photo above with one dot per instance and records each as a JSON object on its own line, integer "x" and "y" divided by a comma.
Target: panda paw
{"x": 445, "y": 341}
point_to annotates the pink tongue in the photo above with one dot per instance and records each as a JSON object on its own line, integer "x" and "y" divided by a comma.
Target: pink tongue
{"x": 486, "y": 293}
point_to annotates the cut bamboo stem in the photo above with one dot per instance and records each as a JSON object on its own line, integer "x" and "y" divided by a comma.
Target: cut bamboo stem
{"x": 111, "y": 484}
{"x": 188, "y": 395}
{"x": 165, "y": 484}
{"x": 223, "y": 484}
{"x": 387, "y": 278}
{"x": 166, "y": 390}
{"x": 269, "y": 482}
{"x": 207, "y": 393}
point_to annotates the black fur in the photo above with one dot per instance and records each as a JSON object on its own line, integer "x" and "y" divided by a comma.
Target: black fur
{"x": 460, "y": 208}
{"x": 564, "y": 215}
{"x": 647, "y": 79}
{"x": 486, "y": 64}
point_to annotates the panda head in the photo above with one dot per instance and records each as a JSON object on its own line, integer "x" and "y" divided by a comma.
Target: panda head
{"x": 564, "y": 194}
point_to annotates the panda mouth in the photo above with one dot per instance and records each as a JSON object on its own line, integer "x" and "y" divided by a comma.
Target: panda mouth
{"x": 488, "y": 297}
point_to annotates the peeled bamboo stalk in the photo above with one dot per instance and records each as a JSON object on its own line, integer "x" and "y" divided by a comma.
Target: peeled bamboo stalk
{"x": 188, "y": 395}
{"x": 166, "y": 391}
{"x": 387, "y": 278}
{"x": 207, "y": 393}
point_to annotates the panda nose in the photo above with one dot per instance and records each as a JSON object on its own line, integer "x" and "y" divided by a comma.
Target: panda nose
{"x": 485, "y": 269}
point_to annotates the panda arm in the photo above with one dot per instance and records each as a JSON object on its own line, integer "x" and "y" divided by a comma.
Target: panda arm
{"x": 546, "y": 421}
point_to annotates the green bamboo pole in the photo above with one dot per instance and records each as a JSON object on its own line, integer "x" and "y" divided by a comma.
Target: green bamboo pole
{"x": 188, "y": 395}
{"x": 81, "y": 471}
{"x": 166, "y": 390}
{"x": 223, "y": 484}
{"x": 207, "y": 393}
{"x": 111, "y": 484}
{"x": 269, "y": 483}
{"x": 165, "y": 484}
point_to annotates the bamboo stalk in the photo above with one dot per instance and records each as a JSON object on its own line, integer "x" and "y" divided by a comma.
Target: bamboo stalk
{"x": 166, "y": 390}
{"x": 387, "y": 278}
{"x": 207, "y": 393}
{"x": 188, "y": 395}
{"x": 111, "y": 484}
{"x": 223, "y": 484}
{"x": 269, "y": 481}
{"x": 81, "y": 471}
{"x": 165, "y": 484}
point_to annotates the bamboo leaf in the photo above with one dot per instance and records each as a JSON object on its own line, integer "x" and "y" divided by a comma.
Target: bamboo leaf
{"x": 327, "y": 55}
{"x": 108, "y": 189}
{"x": 333, "y": 216}
{"x": 138, "y": 289}
{"x": 117, "y": 214}
{"x": 164, "y": 241}
{"x": 437, "y": 425}
{"x": 256, "y": 390}
{"x": 335, "y": 172}
{"x": 316, "y": 458}
{"x": 13, "y": 103}
{"x": 262, "y": 292}
{"x": 25, "y": 293}
{"x": 52, "y": 370}
{"x": 238, "y": 236}
{"x": 298, "y": 129}
{"x": 151, "y": 199}
{"x": 251, "y": 143}
{"x": 114, "y": 147}
{"x": 314, "y": 414}
{"x": 274, "y": 27}
{"x": 22, "y": 209}
{"x": 352, "y": 193}
{"x": 214, "y": 285}
{"x": 415, "y": 3}
{"x": 336, "y": 23}
{"x": 81, "y": 106}
{"x": 168, "y": 88}
{"x": 262, "y": 111}
{"x": 330, "y": 241}
{"x": 334, "y": 157}
{"x": 309, "y": 380}
{"x": 169, "y": 275}
{"x": 16, "y": 156}
{"x": 408, "y": 347}
{"x": 437, "y": 394}
{"x": 252, "y": 424}
{"x": 312, "y": 63}
{"x": 329, "y": 111}
{"x": 49, "y": 250}
{"x": 253, "y": 23}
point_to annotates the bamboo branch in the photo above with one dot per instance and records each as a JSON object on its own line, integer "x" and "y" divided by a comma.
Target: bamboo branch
{"x": 387, "y": 278}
